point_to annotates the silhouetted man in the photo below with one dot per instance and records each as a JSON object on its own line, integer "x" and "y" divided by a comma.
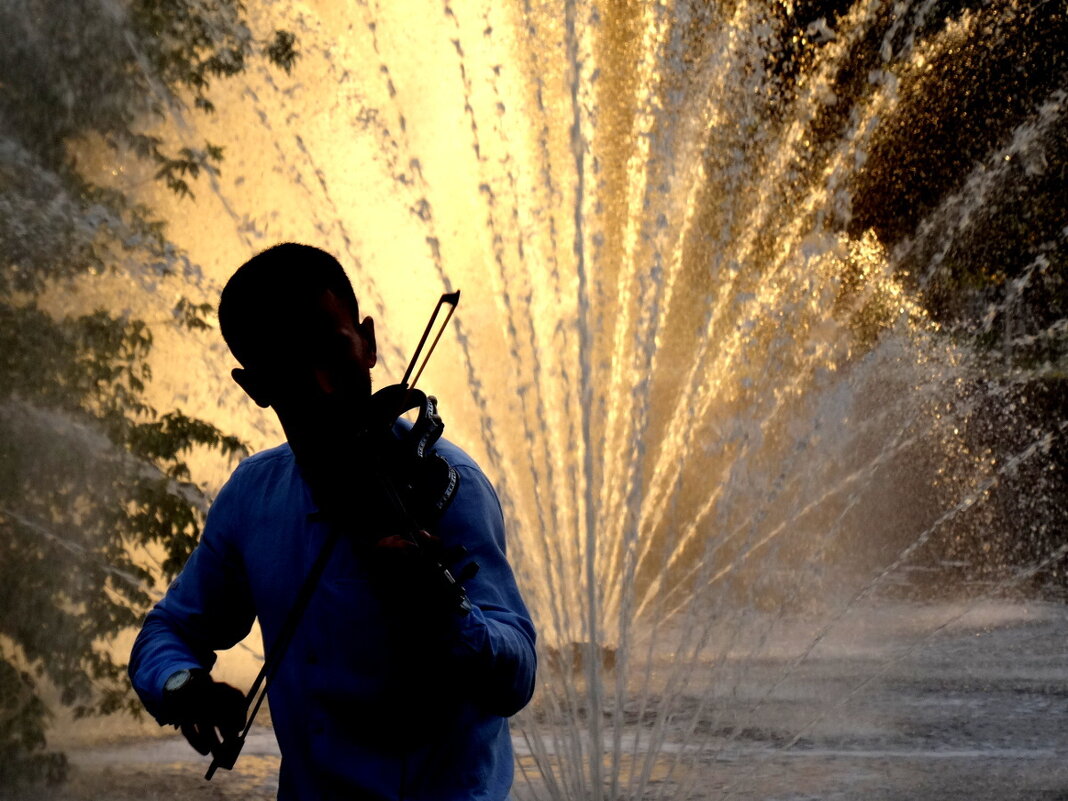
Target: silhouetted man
{"x": 386, "y": 691}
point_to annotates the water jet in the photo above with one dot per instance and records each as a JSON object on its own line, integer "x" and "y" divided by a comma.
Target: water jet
{"x": 766, "y": 356}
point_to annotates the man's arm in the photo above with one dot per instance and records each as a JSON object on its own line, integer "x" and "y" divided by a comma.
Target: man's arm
{"x": 496, "y": 639}
{"x": 207, "y": 608}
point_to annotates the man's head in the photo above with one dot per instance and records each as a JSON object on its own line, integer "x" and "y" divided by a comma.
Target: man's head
{"x": 291, "y": 319}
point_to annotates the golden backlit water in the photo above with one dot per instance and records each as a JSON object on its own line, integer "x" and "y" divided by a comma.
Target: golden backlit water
{"x": 614, "y": 305}
{"x": 715, "y": 418}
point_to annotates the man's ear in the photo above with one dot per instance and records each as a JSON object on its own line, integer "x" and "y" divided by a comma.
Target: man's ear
{"x": 367, "y": 331}
{"x": 254, "y": 387}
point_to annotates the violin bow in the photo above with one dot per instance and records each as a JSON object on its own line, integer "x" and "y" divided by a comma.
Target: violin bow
{"x": 450, "y": 299}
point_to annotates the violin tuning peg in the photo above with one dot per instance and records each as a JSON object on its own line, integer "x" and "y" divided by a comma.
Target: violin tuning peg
{"x": 467, "y": 572}
{"x": 454, "y": 554}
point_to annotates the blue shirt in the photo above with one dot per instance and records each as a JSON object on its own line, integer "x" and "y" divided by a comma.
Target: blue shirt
{"x": 353, "y": 721}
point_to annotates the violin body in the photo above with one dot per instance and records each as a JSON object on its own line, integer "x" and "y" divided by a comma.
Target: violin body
{"x": 424, "y": 481}
{"x": 414, "y": 486}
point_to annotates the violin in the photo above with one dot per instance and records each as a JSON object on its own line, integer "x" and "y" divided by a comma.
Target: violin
{"x": 415, "y": 486}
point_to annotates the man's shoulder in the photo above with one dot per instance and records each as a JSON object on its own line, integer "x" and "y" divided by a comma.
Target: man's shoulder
{"x": 260, "y": 465}
{"x": 283, "y": 452}
{"x": 455, "y": 455}
{"x": 476, "y": 490}
{"x": 264, "y": 484}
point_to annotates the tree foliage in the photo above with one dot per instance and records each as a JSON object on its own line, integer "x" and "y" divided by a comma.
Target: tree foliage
{"x": 91, "y": 475}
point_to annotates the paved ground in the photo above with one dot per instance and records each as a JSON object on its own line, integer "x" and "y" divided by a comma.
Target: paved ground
{"x": 977, "y": 713}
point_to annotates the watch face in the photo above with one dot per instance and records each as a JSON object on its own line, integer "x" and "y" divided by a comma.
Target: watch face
{"x": 177, "y": 681}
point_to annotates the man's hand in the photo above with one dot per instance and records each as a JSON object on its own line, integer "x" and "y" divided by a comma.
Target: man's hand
{"x": 208, "y": 712}
{"x": 412, "y": 575}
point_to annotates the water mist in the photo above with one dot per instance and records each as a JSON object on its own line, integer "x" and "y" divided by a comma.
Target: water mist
{"x": 763, "y": 344}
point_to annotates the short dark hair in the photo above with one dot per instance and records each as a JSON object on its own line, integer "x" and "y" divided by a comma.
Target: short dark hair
{"x": 274, "y": 290}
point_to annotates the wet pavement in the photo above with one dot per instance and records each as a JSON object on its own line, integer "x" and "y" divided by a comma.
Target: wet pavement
{"x": 977, "y": 712}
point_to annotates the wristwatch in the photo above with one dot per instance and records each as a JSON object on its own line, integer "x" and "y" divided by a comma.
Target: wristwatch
{"x": 176, "y": 690}
{"x": 178, "y": 680}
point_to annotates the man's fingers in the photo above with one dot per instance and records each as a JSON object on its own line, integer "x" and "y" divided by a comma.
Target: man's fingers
{"x": 209, "y": 735}
{"x": 201, "y": 736}
{"x": 190, "y": 733}
{"x": 395, "y": 542}
{"x": 232, "y": 725}
{"x": 231, "y": 709}
{"x": 420, "y": 539}
{"x": 427, "y": 540}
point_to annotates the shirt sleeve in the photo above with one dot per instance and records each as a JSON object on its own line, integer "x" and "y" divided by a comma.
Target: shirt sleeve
{"x": 496, "y": 639}
{"x": 207, "y": 608}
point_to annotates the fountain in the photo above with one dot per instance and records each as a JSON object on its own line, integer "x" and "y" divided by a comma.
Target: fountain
{"x": 763, "y": 344}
